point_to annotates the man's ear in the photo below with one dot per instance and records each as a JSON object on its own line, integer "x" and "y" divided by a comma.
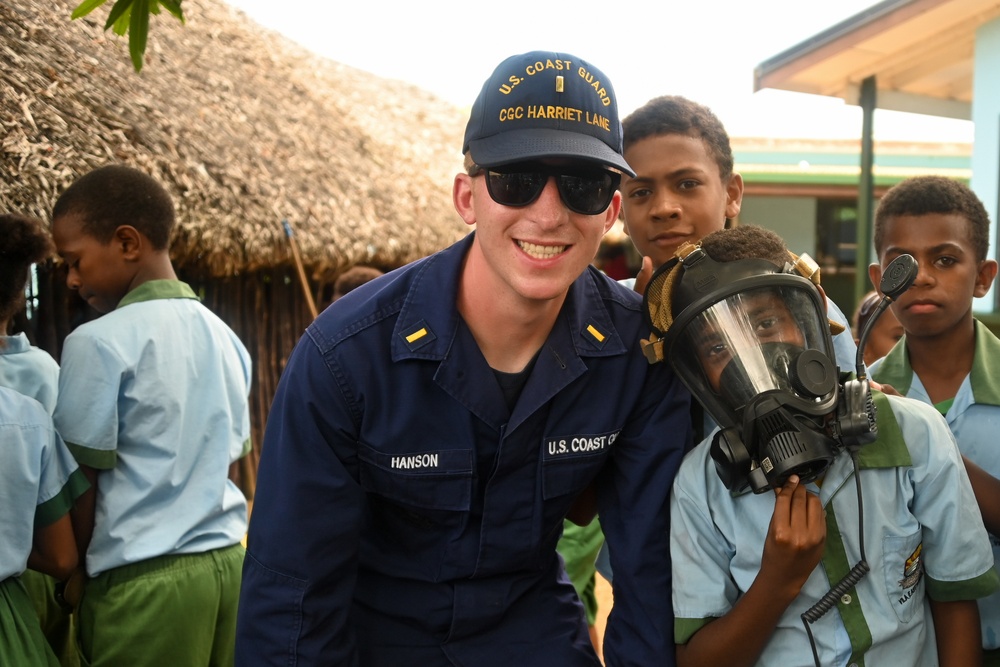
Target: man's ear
{"x": 463, "y": 198}
{"x": 129, "y": 240}
{"x": 875, "y": 275}
{"x": 613, "y": 211}
{"x": 984, "y": 277}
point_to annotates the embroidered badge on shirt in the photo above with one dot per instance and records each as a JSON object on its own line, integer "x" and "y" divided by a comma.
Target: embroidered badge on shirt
{"x": 913, "y": 569}
{"x": 570, "y": 445}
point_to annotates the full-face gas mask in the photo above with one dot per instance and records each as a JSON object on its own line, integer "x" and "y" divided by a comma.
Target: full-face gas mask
{"x": 752, "y": 342}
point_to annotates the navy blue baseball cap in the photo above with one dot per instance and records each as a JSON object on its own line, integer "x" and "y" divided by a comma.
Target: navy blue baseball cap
{"x": 545, "y": 105}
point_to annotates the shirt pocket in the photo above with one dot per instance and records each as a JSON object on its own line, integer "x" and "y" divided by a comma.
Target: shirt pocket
{"x": 570, "y": 463}
{"x": 422, "y": 487}
{"x": 903, "y": 571}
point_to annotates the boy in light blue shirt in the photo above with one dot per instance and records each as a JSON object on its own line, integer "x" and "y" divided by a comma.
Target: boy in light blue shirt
{"x": 24, "y": 367}
{"x": 38, "y": 483}
{"x": 946, "y": 358}
{"x": 153, "y": 404}
{"x": 861, "y": 542}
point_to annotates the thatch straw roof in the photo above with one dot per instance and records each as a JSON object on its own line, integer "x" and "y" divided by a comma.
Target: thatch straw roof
{"x": 241, "y": 124}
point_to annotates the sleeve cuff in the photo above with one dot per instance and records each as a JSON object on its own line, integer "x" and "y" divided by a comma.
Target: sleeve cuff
{"x": 684, "y": 628}
{"x": 99, "y": 459}
{"x": 971, "y": 589}
{"x": 58, "y": 505}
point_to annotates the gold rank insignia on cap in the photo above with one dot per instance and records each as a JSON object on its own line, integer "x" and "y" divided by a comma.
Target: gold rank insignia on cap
{"x": 560, "y": 84}
{"x": 595, "y": 334}
{"x": 417, "y": 335}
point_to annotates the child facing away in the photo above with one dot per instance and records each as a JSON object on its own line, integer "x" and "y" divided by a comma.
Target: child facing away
{"x": 38, "y": 483}
{"x": 32, "y": 372}
{"x": 946, "y": 358}
{"x": 153, "y": 404}
{"x": 886, "y": 534}
{"x": 23, "y": 367}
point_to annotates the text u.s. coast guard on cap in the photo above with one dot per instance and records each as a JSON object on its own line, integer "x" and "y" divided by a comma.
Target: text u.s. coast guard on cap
{"x": 513, "y": 80}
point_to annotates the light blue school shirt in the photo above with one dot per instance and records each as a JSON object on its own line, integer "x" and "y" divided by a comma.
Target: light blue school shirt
{"x": 154, "y": 394}
{"x": 974, "y": 419}
{"x": 924, "y": 536}
{"x": 29, "y": 370}
{"x": 39, "y": 479}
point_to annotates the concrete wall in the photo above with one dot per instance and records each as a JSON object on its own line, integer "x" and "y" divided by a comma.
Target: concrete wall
{"x": 792, "y": 218}
{"x": 986, "y": 148}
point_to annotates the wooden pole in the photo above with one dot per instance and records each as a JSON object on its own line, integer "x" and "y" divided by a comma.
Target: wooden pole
{"x": 298, "y": 265}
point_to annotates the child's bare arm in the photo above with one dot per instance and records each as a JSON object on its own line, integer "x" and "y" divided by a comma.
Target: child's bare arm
{"x": 956, "y": 625}
{"x": 793, "y": 548}
{"x": 987, "y": 490}
{"x": 83, "y": 511}
{"x": 53, "y": 549}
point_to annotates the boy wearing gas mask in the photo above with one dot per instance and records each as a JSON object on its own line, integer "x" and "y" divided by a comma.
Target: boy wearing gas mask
{"x": 823, "y": 523}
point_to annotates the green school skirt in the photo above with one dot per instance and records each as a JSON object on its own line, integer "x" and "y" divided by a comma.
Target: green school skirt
{"x": 21, "y": 638}
{"x": 171, "y": 610}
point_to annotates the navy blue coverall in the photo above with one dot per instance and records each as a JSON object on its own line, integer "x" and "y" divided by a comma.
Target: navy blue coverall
{"x": 403, "y": 516}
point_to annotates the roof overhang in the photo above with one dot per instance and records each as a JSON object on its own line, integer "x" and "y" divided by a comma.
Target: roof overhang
{"x": 920, "y": 52}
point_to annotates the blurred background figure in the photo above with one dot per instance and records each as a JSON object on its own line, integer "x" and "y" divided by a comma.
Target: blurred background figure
{"x": 352, "y": 278}
{"x": 887, "y": 329}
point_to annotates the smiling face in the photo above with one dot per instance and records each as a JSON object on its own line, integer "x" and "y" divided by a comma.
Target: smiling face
{"x": 528, "y": 253}
{"x": 949, "y": 275}
{"x": 677, "y": 194}
{"x": 99, "y": 272}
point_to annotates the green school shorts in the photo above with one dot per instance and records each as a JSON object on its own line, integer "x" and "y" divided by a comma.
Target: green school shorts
{"x": 57, "y": 623}
{"x": 21, "y": 638}
{"x": 166, "y": 611}
{"x": 579, "y": 546}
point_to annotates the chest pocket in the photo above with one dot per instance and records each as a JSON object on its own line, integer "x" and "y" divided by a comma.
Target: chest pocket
{"x": 569, "y": 463}
{"x": 903, "y": 570}
{"x": 430, "y": 480}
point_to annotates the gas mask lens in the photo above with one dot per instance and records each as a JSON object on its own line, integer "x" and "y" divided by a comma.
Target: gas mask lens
{"x": 752, "y": 343}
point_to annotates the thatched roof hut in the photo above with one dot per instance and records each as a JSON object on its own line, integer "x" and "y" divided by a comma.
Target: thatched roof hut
{"x": 244, "y": 128}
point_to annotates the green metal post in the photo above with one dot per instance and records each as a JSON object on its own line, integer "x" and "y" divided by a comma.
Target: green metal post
{"x": 866, "y": 191}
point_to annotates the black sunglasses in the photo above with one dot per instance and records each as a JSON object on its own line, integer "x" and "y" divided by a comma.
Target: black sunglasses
{"x": 586, "y": 190}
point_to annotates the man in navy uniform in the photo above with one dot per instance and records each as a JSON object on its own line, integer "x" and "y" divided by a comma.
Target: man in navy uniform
{"x": 434, "y": 427}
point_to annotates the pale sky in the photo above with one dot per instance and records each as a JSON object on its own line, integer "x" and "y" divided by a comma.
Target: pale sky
{"x": 703, "y": 49}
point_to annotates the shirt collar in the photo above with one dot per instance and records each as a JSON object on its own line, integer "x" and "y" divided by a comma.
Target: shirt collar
{"x": 14, "y": 344}
{"x": 985, "y": 384}
{"x": 158, "y": 289}
{"x": 889, "y": 449}
{"x": 895, "y": 369}
{"x": 427, "y": 321}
